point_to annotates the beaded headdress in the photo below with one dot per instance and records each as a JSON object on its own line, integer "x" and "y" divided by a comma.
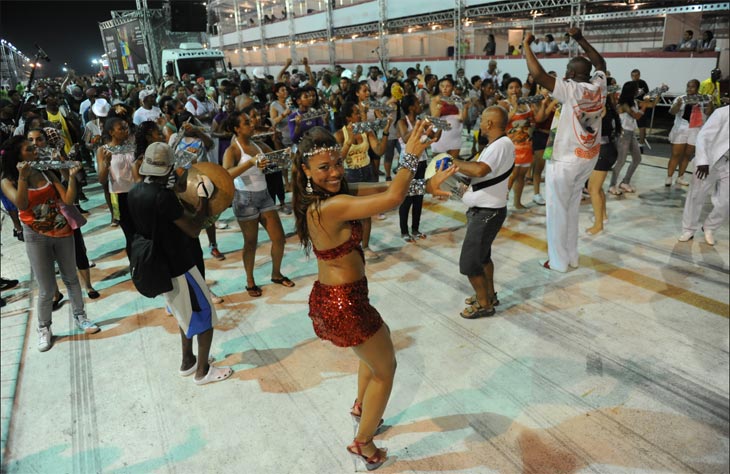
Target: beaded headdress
{"x": 321, "y": 149}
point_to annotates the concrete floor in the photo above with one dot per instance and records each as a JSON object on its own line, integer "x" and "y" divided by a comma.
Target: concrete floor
{"x": 620, "y": 366}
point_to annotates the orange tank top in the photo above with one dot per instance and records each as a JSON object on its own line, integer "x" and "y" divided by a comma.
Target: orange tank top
{"x": 43, "y": 214}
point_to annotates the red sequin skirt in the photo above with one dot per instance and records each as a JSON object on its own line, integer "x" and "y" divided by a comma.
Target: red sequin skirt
{"x": 342, "y": 314}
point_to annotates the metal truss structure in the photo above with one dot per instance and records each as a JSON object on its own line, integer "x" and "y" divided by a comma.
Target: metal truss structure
{"x": 525, "y": 14}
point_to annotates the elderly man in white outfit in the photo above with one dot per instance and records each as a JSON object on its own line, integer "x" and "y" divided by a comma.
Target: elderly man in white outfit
{"x": 577, "y": 142}
{"x": 711, "y": 176}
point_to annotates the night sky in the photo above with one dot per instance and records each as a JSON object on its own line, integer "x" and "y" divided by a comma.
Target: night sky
{"x": 68, "y": 31}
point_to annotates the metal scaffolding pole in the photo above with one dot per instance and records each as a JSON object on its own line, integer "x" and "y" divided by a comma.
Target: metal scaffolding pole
{"x": 292, "y": 32}
{"x": 383, "y": 53}
{"x": 150, "y": 46}
{"x": 239, "y": 33}
{"x": 459, "y": 9}
{"x": 264, "y": 58}
{"x": 331, "y": 51}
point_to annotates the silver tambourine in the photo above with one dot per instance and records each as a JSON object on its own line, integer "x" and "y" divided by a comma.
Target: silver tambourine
{"x": 372, "y": 126}
{"x": 54, "y": 165}
{"x": 453, "y": 99}
{"x": 375, "y": 105}
{"x": 438, "y": 123}
{"x": 533, "y": 99}
{"x": 696, "y": 99}
{"x": 278, "y": 160}
{"x": 456, "y": 184}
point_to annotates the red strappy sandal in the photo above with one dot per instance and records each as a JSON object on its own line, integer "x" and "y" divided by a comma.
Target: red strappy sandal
{"x": 371, "y": 463}
{"x": 357, "y": 407}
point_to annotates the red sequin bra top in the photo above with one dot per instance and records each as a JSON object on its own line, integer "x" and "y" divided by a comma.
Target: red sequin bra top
{"x": 353, "y": 243}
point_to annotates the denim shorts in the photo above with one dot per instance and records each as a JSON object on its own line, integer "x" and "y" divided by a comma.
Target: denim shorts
{"x": 249, "y": 205}
{"x": 360, "y": 175}
{"x": 482, "y": 226}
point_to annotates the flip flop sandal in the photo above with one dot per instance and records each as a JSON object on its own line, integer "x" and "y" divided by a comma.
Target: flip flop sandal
{"x": 473, "y": 299}
{"x": 191, "y": 370}
{"x": 283, "y": 281}
{"x": 254, "y": 291}
{"x": 477, "y": 311}
{"x": 215, "y": 374}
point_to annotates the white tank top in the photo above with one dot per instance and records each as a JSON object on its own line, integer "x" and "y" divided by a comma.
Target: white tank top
{"x": 121, "y": 175}
{"x": 252, "y": 179}
{"x": 423, "y": 156}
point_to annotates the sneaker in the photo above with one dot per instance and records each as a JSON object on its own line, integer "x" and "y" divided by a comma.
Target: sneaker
{"x": 45, "y": 339}
{"x": 381, "y": 217}
{"x": 220, "y": 225}
{"x": 668, "y": 181}
{"x": 115, "y": 223}
{"x": 217, "y": 253}
{"x": 419, "y": 235}
{"x": 626, "y": 188}
{"x": 407, "y": 238}
{"x": 538, "y": 199}
{"x": 85, "y": 325}
{"x": 682, "y": 182}
{"x": 615, "y": 191}
{"x": 584, "y": 194}
{"x": 286, "y": 209}
{"x": 709, "y": 236}
{"x": 686, "y": 236}
{"x": 389, "y": 178}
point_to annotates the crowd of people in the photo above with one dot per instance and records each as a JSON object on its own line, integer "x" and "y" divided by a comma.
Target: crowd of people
{"x": 138, "y": 140}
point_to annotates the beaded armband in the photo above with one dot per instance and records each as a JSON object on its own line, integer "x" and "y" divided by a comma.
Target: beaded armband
{"x": 417, "y": 187}
{"x": 408, "y": 161}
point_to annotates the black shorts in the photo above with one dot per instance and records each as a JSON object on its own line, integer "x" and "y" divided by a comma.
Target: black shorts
{"x": 539, "y": 140}
{"x": 482, "y": 226}
{"x": 606, "y": 157}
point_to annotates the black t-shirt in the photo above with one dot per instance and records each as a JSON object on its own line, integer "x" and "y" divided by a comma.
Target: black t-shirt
{"x": 152, "y": 204}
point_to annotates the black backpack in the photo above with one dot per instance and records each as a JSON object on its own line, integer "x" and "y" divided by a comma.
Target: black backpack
{"x": 148, "y": 265}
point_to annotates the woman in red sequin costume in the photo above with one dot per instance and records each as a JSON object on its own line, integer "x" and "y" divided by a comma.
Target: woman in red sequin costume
{"x": 328, "y": 215}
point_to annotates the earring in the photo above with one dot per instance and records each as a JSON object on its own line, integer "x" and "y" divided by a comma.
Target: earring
{"x": 309, "y": 189}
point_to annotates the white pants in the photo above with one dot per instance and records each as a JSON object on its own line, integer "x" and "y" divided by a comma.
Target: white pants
{"x": 564, "y": 182}
{"x": 716, "y": 182}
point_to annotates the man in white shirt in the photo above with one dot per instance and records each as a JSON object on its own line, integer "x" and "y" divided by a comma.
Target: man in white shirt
{"x": 198, "y": 104}
{"x": 537, "y": 47}
{"x": 148, "y": 111}
{"x": 577, "y": 141}
{"x": 487, "y": 202}
{"x": 568, "y": 46}
{"x": 377, "y": 86}
{"x": 711, "y": 176}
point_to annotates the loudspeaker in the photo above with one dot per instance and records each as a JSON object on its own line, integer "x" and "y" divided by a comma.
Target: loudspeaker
{"x": 186, "y": 15}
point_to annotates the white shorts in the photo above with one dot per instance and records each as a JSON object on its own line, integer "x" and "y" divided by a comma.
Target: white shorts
{"x": 680, "y": 136}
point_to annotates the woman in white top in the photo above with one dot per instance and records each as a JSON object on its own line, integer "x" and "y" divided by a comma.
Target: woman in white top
{"x": 688, "y": 119}
{"x": 119, "y": 168}
{"x": 412, "y": 107}
{"x": 252, "y": 203}
{"x": 454, "y": 112}
{"x": 629, "y": 112}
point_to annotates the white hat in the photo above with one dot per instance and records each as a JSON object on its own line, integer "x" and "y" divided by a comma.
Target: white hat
{"x": 144, "y": 93}
{"x": 100, "y": 108}
{"x": 158, "y": 158}
{"x": 167, "y": 84}
{"x": 346, "y": 73}
{"x": 259, "y": 73}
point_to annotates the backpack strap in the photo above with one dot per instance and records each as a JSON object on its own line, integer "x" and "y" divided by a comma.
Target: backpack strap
{"x": 493, "y": 181}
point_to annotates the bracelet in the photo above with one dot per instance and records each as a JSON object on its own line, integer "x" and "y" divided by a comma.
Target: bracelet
{"x": 409, "y": 161}
{"x": 386, "y": 134}
{"x": 417, "y": 187}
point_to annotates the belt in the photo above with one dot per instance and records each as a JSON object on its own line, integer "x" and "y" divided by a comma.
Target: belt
{"x": 487, "y": 208}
